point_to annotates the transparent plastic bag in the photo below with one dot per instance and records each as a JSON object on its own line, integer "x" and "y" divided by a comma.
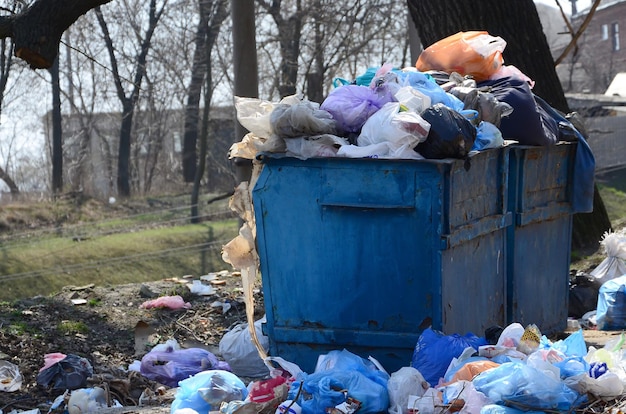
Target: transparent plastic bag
{"x": 522, "y": 386}
{"x": 303, "y": 118}
{"x": 403, "y": 131}
{"x": 207, "y": 390}
{"x": 254, "y": 115}
{"x": 404, "y": 382}
{"x": 237, "y": 348}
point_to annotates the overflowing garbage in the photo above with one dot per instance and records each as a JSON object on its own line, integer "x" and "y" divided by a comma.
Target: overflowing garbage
{"x": 459, "y": 99}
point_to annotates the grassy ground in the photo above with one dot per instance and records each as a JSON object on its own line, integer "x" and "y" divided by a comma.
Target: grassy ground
{"x": 46, "y": 246}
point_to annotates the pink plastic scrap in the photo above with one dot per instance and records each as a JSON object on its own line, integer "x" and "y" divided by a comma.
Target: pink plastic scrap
{"x": 171, "y": 302}
{"x": 51, "y": 359}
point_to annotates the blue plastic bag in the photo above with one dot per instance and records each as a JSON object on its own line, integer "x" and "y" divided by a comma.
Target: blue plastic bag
{"x": 487, "y": 136}
{"x": 584, "y": 164}
{"x": 573, "y": 345}
{"x": 429, "y": 87}
{"x": 611, "y": 311}
{"x": 341, "y": 370}
{"x": 434, "y": 352}
{"x": 319, "y": 391}
{"x": 501, "y": 409}
{"x": 206, "y": 390}
{"x": 520, "y": 385}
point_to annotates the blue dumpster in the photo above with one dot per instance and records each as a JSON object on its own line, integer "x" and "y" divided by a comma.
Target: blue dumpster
{"x": 364, "y": 254}
{"x": 539, "y": 242}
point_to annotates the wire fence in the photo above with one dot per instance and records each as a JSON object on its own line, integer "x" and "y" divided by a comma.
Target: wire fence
{"x": 199, "y": 253}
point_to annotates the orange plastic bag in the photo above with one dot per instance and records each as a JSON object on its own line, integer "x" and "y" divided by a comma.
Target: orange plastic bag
{"x": 474, "y": 53}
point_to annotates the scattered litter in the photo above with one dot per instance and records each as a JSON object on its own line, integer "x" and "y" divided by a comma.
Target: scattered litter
{"x": 10, "y": 377}
{"x": 86, "y": 400}
{"x": 172, "y": 302}
{"x": 171, "y": 365}
{"x": 208, "y": 277}
{"x": 224, "y": 305}
{"x": 207, "y": 390}
{"x": 237, "y": 348}
{"x": 70, "y": 372}
{"x": 199, "y": 288}
{"x": 79, "y": 301}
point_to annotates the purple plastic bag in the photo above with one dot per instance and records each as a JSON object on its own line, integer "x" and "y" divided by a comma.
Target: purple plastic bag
{"x": 352, "y": 105}
{"x": 171, "y": 366}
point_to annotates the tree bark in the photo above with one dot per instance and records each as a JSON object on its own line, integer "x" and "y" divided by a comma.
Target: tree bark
{"x": 57, "y": 131}
{"x": 37, "y": 31}
{"x": 192, "y": 108}
{"x": 517, "y": 22}
{"x": 9, "y": 182}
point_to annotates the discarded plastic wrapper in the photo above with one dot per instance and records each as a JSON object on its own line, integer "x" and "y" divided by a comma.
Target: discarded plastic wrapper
{"x": 207, "y": 390}
{"x": 10, "y": 377}
{"x": 69, "y": 373}
{"x": 199, "y": 288}
{"x": 88, "y": 400}
{"x": 172, "y": 302}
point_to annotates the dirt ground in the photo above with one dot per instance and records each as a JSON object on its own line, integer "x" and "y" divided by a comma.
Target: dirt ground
{"x": 107, "y": 326}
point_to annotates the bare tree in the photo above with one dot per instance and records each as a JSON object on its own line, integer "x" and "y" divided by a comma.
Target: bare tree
{"x": 219, "y": 12}
{"x": 129, "y": 101}
{"x": 323, "y": 39}
{"x": 212, "y": 14}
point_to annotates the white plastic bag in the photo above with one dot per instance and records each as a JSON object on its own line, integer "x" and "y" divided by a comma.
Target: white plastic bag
{"x": 607, "y": 387}
{"x": 402, "y": 130}
{"x": 325, "y": 145}
{"x": 402, "y": 383}
{"x": 614, "y": 265}
{"x": 254, "y": 115}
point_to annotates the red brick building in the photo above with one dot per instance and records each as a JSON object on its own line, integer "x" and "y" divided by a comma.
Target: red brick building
{"x": 601, "y": 50}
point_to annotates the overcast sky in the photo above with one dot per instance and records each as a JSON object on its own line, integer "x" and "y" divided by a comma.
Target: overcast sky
{"x": 567, "y": 6}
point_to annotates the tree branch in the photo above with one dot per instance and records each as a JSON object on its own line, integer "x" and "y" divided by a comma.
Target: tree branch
{"x": 37, "y": 31}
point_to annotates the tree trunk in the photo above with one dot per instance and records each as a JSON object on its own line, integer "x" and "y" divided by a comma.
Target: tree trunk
{"x": 57, "y": 131}
{"x": 9, "y": 182}
{"x": 129, "y": 102}
{"x": 192, "y": 108}
{"x": 518, "y": 23}
{"x": 123, "y": 154}
{"x": 245, "y": 68}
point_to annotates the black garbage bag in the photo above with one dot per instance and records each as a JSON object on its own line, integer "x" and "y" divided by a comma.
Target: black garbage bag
{"x": 451, "y": 135}
{"x": 583, "y": 295}
{"x": 70, "y": 373}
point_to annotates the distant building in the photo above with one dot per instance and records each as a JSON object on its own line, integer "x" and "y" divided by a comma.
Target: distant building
{"x": 601, "y": 52}
{"x": 90, "y": 152}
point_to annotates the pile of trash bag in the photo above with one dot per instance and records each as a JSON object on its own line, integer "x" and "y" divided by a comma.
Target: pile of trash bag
{"x": 516, "y": 371}
{"x": 460, "y": 98}
{"x": 598, "y": 299}
{"x": 513, "y": 369}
